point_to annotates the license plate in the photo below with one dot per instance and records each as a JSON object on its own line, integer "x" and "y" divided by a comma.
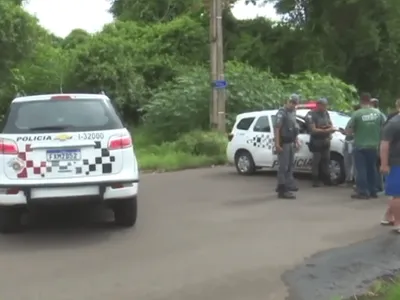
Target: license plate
{"x": 63, "y": 155}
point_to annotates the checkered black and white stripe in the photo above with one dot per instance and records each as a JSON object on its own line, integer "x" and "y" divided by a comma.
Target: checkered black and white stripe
{"x": 262, "y": 141}
{"x": 101, "y": 162}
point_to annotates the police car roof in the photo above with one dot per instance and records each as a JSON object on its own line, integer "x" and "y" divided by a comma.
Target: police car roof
{"x": 51, "y": 96}
{"x": 300, "y": 112}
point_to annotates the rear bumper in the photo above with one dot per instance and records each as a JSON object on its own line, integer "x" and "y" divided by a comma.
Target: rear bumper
{"x": 230, "y": 154}
{"x": 67, "y": 192}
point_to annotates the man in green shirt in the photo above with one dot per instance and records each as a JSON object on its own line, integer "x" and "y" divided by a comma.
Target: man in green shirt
{"x": 365, "y": 125}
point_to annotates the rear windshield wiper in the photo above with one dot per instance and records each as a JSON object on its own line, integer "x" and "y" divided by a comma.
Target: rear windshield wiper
{"x": 55, "y": 127}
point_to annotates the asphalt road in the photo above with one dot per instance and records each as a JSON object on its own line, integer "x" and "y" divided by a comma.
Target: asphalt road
{"x": 201, "y": 234}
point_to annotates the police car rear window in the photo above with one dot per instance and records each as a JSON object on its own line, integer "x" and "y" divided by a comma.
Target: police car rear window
{"x": 61, "y": 115}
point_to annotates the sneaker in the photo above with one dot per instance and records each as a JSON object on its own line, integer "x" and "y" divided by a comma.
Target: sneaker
{"x": 396, "y": 229}
{"x": 387, "y": 223}
{"x": 359, "y": 196}
{"x": 287, "y": 195}
{"x": 293, "y": 189}
{"x": 349, "y": 184}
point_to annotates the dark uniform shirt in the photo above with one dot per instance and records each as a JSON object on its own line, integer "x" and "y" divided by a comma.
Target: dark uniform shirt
{"x": 391, "y": 115}
{"x": 286, "y": 121}
{"x": 320, "y": 119}
{"x": 391, "y": 133}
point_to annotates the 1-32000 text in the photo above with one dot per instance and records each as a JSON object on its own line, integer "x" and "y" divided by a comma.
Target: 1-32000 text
{"x": 91, "y": 136}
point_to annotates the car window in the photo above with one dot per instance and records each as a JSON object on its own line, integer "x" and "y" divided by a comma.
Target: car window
{"x": 302, "y": 126}
{"x": 245, "y": 123}
{"x": 73, "y": 115}
{"x": 273, "y": 120}
{"x": 339, "y": 120}
{"x": 262, "y": 124}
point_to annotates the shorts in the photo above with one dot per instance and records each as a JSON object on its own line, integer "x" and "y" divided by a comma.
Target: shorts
{"x": 392, "y": 182}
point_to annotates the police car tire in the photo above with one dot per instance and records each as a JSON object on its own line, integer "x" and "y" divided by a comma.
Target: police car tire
{"x": 10, "y": 220}
{"x": 252, "y": 168}
{"x": 125, "y": 212}
{"x": 339, "y": 159}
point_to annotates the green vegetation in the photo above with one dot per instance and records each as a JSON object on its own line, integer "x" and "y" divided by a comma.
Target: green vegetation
{"x": 386, "y": 289}
{"x": 195, "y": 149}
{"x": 153, "y": 62}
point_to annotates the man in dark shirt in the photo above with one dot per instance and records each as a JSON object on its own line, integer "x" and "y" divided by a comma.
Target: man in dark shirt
{"x": 390, "y": 165}
{"x": 286, "y": 143}
{"x": 321, "y": 128}
{"x": 391, "y": 115}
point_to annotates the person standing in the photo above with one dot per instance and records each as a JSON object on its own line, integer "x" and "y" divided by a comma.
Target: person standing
{"x": 321, "y": 130}
{"x": 375, "y": 104}
{"x": 286, "y": 131}
{"x": 392, "y": 114}
{"x": 348, "y": 154}
{"x": 365, "y": 124}
{"x": 390, "y": 166}
{"x": 379, "y": 179}
{"x": 388, "y": 151}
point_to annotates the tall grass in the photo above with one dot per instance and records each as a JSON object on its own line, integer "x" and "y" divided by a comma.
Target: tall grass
{"x": 190, "y": 151}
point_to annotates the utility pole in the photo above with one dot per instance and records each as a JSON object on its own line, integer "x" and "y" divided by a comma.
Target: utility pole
{"x": 218, "y": 94}
{"x": 213, "y": 65}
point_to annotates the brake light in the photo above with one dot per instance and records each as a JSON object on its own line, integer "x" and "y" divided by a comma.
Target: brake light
{"x": 8, "y": 147}
{"x": 12, "y": 191}
{"x": 230, "y": 136}
{"x": 309, "y": 105}
{"x": 119, "y": 142}
{"x": 61, "y": 97}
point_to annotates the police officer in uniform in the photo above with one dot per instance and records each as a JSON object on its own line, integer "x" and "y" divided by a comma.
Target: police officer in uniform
{"x": 321, "y": 129}
{"x": 286, "y": 131}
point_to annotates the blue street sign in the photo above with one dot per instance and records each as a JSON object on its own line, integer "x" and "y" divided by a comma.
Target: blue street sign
{"x": 220, "y": 84}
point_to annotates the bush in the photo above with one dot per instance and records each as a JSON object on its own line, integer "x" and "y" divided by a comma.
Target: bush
{"x": 194, "y": 149}
{"x": 202, "y": 143}
{"x": 182, "y": 105}
{"x": 309, "y": 85}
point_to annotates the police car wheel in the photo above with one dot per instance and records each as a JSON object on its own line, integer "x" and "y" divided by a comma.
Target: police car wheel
{"x": 10, "y": 220}
{"x": 125, "y": 212}
{"x": 337, "y": 170}
{"x": 244, "y": 163}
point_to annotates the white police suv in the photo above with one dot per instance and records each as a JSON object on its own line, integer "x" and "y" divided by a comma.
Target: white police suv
{"x": 63, "y": 148}
{"x": 251, "y": 143}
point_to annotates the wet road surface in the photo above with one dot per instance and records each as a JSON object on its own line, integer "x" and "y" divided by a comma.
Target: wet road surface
{"x": 203, "y": 234}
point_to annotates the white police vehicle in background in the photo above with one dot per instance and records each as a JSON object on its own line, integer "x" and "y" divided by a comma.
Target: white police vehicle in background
{"x": 251, "y": 143}
{"x": 63, "y": 148}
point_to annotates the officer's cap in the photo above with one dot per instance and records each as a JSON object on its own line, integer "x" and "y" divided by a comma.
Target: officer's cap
{"x": 294, "y": 98}
{"x": 323, "y": 101}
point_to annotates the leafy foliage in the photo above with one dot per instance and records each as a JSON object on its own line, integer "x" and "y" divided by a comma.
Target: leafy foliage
{"x": 183, "y": 104}
{"x": 153, "y": 60}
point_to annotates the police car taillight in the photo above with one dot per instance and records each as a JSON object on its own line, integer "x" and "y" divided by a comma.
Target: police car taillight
{"x": 119, "y": 142}
{"x": 8, "y": 147}
{"x": 308, "y": 105}
{"x": 61, "y": 97}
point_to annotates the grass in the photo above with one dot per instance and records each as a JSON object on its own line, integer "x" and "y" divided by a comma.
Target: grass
{"x": 168, "y": 156}
{"x": 383, "y": 289}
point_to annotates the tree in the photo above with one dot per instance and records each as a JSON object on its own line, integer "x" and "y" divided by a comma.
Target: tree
{"x": 75, "y": 38}
{"x": 18, "y": 31}
{"x": 153, "y": 11}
